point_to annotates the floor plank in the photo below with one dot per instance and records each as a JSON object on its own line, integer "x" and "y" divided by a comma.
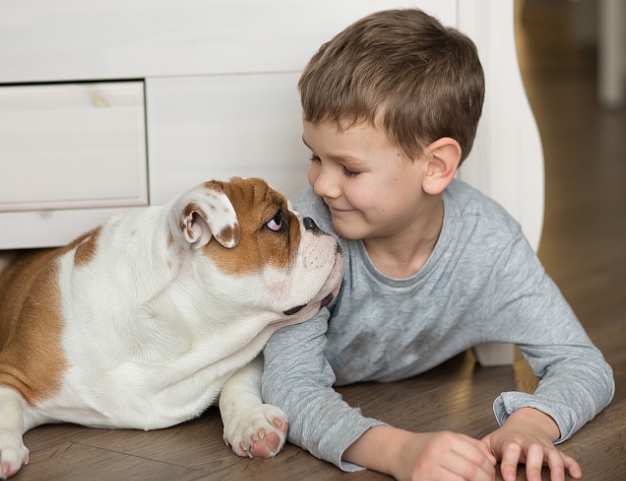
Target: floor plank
{"x": 78, "y": 462}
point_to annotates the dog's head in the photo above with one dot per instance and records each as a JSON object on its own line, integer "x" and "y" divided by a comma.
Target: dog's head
{"x": 254, "y": 253}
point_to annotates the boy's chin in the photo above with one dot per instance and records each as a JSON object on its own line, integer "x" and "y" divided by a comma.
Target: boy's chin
{"x": 348, "y": 232}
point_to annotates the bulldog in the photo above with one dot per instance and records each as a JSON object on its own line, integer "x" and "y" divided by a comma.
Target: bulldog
{"x": 152, "y": 317}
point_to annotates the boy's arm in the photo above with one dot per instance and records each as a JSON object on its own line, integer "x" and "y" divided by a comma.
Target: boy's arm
{"x": 575, "y": 383}
{"x": 426, "y": 456}
{"x": 524, "y": 306}
{"x": 298, "y": 379}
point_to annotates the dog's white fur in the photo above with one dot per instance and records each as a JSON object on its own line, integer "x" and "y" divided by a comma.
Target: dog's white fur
{"x": 149, "y": 318}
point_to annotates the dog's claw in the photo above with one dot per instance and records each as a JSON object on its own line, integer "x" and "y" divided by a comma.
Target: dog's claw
{"x": 261, "y": 435}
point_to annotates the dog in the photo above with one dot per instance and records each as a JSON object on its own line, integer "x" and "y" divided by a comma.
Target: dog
{"x": 146, "y": 321}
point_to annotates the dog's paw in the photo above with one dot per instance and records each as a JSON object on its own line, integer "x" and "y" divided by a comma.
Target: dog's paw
{"x": 13, "y": 453}
{"x": 259, "y": 432}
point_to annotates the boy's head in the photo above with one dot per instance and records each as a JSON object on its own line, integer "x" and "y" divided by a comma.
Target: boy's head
{"x": 402, "y": 71}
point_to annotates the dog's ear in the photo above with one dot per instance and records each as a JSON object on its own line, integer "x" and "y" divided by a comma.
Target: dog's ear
{"x": 205, "y": 212}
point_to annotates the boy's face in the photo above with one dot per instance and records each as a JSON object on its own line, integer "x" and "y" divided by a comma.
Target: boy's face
{"x": 371, "y": 188}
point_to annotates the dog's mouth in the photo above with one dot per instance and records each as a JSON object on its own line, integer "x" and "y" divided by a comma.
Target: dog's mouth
{"x": 327, "y": 300}
{"x": 294, "y": 310}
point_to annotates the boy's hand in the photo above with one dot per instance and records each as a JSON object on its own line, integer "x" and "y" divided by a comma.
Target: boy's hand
{"x": 411, "y": 456}
{"x": 528, "y": 437}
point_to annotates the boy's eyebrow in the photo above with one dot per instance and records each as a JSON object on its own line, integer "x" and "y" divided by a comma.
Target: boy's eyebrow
{"x": 336, "y": 158}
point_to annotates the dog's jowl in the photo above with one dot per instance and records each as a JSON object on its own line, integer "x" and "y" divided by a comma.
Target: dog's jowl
{"x": 146, "y": 321}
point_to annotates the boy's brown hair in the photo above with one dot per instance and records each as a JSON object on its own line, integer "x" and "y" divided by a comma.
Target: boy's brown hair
{"x": 402, "y": 68}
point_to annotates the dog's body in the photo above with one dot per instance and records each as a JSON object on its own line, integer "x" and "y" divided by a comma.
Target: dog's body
{"x": 142, "y": 322}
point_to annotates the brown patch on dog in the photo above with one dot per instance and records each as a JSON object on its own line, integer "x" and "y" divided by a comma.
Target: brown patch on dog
{"x": 31, "y": 324}
{"x": 228, "y": 235}
{"x": 86, "y": 249}
{"x": 32, "y": 360}
{"x": 255, "y": 204}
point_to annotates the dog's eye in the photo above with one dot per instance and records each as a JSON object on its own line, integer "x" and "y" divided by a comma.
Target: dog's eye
{"x": 276, "y": 223}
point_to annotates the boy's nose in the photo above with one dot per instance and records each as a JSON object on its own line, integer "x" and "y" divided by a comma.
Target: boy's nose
{"x": 324, "y": 185}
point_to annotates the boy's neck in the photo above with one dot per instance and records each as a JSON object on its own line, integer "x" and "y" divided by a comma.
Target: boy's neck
{"x": 403, "y": 255}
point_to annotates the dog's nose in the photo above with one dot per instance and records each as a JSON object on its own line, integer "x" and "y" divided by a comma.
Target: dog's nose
{"x": 309, "y": 224}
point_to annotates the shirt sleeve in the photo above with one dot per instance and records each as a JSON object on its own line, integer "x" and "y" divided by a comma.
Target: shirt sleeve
{"x": 576, "y": 383}
{"x": 298, "y": 379}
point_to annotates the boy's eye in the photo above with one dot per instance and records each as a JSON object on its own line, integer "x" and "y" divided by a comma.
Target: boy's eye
{"x": 347, "y": 172}
{"x": 276, "y": 223}
{"x": 350, "y": 173}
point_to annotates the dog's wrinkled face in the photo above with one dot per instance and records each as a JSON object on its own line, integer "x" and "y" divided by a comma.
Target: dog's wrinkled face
{"x": 269, "y": 233}
{"x": 265, "y": 255}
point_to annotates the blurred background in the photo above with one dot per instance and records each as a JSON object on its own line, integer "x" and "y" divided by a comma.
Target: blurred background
{"x": 583, "y": 245}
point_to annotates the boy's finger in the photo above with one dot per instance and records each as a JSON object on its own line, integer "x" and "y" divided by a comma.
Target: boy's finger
{"x": 474, "y": 451}
{"x": 534, "y": 462}
{"x": 492, "y": 458}
{"x": 556, "y": 465}
{"x": 485, "y": 448}
{"x": 465, "y": 466}
{"x": 510, "y": 459}
{"x": 575, "y": 471}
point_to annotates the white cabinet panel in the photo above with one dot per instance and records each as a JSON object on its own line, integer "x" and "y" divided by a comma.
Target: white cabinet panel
{"x": 25, "y": 230}
{"x": 72, "y": 145}
{"x": 201, "y": 128}
{"x": 112, "y": 39}
{"x": 506, "y": 161}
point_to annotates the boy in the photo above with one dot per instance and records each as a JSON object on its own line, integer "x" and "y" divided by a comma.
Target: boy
{"x": 432, "y": 267}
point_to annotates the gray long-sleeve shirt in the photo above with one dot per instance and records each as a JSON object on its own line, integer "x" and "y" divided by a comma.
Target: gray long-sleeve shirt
{"x": 483, "y": 282}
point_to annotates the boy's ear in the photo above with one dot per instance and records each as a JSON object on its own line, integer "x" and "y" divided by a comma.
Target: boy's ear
{"x": 442, "y": 158}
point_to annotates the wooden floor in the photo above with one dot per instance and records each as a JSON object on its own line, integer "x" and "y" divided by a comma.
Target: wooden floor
{"x": 583, "y": 248}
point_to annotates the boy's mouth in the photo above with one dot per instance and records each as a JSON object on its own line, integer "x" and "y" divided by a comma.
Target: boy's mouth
{"x": 336, "y": 209}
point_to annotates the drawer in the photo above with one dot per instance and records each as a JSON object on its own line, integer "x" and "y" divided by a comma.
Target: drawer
{"x": 65, "y": 146}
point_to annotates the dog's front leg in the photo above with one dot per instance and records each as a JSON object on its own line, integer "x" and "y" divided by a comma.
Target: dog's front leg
{"x": 13, "y": 453}
{"x": 251, "y": 428}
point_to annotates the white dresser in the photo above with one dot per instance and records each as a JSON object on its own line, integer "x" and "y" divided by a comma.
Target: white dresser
{"x": 113, "y": 105}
